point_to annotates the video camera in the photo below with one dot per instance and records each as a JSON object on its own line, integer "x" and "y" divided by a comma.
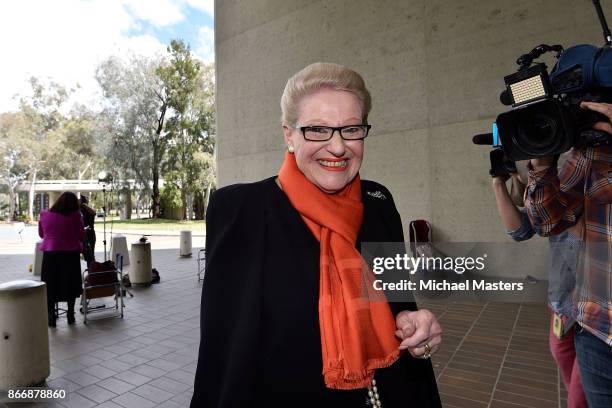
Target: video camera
{"x": 546, "y": 118}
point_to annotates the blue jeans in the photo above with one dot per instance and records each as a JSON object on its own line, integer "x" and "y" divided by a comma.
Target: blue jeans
{"x": 595, "y": 361}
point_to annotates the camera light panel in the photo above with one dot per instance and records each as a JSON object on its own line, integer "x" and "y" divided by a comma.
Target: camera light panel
{"x": 528, "y": 90}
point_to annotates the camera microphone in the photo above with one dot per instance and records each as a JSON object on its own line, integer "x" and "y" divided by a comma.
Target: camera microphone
{"x": 483, "y": 139}
{"x": 505, "y": 98}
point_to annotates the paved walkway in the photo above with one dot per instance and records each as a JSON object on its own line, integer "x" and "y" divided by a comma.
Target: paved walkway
{"x": 496, "y": 355}
{"x": 147, "y": 359}
{"x": 11, "y": 242}
{"x": 493, "y": 355}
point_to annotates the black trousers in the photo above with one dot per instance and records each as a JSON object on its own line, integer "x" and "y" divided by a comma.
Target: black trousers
{"x": 61, "y": 271}
{"x": 51, "y": 307}
{"x": 89, "y": 247}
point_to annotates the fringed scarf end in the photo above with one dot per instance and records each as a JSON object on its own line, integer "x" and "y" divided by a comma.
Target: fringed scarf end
{"x": 337, "y": 378}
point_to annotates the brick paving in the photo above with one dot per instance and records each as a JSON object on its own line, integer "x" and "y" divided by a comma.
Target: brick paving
{"x": 147, "y": 359}
{"x": 493, "y": 355}
{"x": 496, "y": 355}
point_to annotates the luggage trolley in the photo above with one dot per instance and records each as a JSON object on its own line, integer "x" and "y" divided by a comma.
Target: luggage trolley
{"x": 102, "y": 280}
{"x": 201, "y": 263}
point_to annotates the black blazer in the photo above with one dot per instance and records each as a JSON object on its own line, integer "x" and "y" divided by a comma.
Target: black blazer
{"x": 260, "y": 342}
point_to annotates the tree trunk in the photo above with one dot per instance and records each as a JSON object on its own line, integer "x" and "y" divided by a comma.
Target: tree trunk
{"x": 206, "y": 198}
{"x": 156, "y": 207}
{"x": 31, "y": 196}
{"x": 183, "y": 204}
{"x": 198, "y": 205}
{"x": 138, "y": 197}
{"x": 156, "y": 199}
{"x": 128, "y": 204}
{"x": 189, "y": 210}
{"x": 17, "y": 204}
{"x": 184, "y": 180}
{"x": 80, "y": 175}
{"x": 157, "y": 156}
{"x": 12, "y": 203}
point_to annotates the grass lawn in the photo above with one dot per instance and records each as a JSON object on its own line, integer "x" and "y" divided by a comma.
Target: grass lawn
{"x": 153, "y": 224}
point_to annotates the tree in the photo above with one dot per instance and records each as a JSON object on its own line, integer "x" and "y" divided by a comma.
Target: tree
{"x": 206, "y": 178}
{"x": 13, "y": 168}
{"x": 81, "y": 136}
{"x": 183, "y": 80}
{"x": 206, "y": 172}
{"x": 136, "y": 117}
{"x": 157, "y": 112}
{"x": 192, "y": 126}
{"x": 41, "y": 140}
{"x": 41, "y": 111}
{"x": 76, "y": 146}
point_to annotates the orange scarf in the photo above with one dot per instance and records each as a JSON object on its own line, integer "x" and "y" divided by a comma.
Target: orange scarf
{"x": 357, "y": 335}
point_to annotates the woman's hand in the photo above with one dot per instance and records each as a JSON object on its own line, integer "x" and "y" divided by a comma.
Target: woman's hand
{"x": 416, "y": 330}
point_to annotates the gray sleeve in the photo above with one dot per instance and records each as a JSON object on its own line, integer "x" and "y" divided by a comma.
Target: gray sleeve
{"x": 525, "y": 230}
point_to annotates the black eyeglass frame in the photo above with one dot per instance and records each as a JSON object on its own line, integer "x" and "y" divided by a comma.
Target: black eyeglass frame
{"x": 334, "y": 129}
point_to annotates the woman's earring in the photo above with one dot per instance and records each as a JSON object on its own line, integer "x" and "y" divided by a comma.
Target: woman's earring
{"x": 290, "y": 149}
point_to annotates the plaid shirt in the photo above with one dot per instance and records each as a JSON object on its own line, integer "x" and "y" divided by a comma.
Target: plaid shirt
{"x": 555, "y": 203}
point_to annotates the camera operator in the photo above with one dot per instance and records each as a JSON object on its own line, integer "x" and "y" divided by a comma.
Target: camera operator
{"x": 555, "y": 202}
{"x": 89, "y": 218}
{"x": 563, "y": 259}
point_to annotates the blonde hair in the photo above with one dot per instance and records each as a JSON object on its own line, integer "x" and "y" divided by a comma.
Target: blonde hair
{"x": 317, "y": 76}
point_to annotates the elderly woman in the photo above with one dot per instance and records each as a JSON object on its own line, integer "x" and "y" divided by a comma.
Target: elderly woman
{"x": 62, "y": 231}
{"x": 284, "y": 319}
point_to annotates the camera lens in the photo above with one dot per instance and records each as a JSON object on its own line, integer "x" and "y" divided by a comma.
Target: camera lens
{"x": 537, "y": 131}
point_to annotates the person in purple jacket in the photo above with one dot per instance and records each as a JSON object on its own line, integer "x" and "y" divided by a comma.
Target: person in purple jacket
{"x": 62, "y": 231}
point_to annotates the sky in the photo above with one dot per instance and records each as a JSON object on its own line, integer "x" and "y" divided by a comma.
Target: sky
{"x": 64, "y": 40}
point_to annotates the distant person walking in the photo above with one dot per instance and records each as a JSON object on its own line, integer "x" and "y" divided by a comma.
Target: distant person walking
{"x": 89, "y": 218}
{"x": 62, "y": 231}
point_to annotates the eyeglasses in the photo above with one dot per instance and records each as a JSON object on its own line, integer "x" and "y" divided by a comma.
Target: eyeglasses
{"x": 324, "y": 133}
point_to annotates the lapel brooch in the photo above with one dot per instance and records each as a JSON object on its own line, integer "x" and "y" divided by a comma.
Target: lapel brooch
{"x": 376, "y": 194}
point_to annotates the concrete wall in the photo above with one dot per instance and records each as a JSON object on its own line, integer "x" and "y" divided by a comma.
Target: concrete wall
{"x": 435, "y": 70}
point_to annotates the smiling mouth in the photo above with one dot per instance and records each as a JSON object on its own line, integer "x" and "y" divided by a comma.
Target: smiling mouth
{"x": 335, "y": 165}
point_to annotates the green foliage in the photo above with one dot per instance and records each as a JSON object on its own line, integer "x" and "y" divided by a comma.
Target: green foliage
{"x": 74, "y": 147}
{"x": 161, "y": 117}
{"x": 171, "y": 197}
{"x": 23, "y": 218}
{"x": 13, "y": 136}
{"x": 24, "y": 137}
{"x": 179, "y": 76}
{"x": 190, "y": 163}
{"x": 131, "y": 116}
{"x": 56, "y": 145}
{"x": 158, "y": 122}
{"x": 151, "y": 108}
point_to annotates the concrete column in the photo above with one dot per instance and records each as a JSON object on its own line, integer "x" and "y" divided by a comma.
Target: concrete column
{"x": 435, "y": 69}
{"x": 140, "y": 270}
{"x": 53, "y": 196}
{"x": 38, "y": 256}
{"x": 24, "y": 338}
{"x": 119, "y": 247}
{"x": 185, "y": 246}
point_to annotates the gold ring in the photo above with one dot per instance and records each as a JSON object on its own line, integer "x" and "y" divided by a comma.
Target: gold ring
{"x": 427, "y": 353}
